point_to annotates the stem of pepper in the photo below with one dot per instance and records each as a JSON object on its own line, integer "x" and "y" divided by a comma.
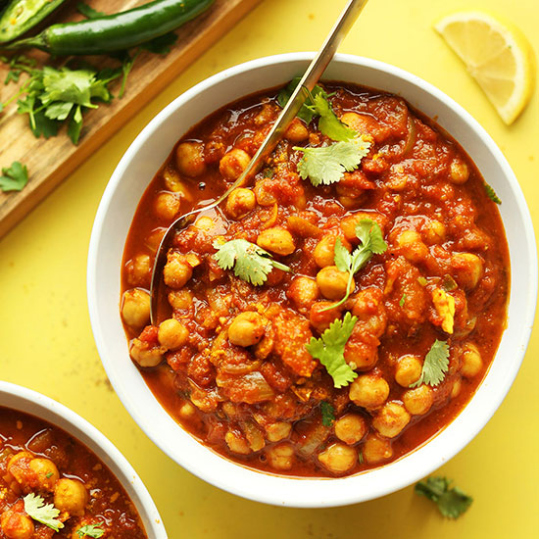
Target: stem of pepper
{"x": 37, "y": 42}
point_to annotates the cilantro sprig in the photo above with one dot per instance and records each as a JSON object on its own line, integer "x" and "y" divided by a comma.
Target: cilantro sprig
{"x": 47, "y": 514}
{"x": 14, "y": 178}
{"x": 250, "y": 262}
{"x": 451, "y": 502}
{"x": 329, "y": 350}
{"x": 327, "y": 164}
{"x": 372, "y": 242}
{"x": 328, "y": 414}
{"x": 318, "y": 105}
{"x": 91, "y": 530}
{"x": 435, "y": 366}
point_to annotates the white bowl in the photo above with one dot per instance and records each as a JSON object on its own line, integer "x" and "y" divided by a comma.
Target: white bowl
{"x": 130, "y": 179}
{"x": 28, "y": 401}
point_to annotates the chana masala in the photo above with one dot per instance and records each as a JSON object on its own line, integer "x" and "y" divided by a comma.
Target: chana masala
{"x": 338, "y": 310}
{"x": 52, "y": 486}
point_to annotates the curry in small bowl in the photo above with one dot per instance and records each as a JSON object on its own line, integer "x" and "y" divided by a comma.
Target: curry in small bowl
{"x": 338, "y": 311}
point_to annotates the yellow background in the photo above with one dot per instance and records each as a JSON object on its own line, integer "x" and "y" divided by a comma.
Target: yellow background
{"x": 46, "y": 341}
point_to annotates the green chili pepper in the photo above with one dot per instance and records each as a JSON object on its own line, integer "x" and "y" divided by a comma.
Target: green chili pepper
{"x": 22, "y": 15}
{"x": 115, "y": 32}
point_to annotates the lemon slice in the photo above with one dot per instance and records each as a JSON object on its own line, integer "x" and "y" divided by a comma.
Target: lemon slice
{"x": 497, "y": 55}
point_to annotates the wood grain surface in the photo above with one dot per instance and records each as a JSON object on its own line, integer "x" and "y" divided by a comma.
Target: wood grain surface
{"x": 50, "y": 161}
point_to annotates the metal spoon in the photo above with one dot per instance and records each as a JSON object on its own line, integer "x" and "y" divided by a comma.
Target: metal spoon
{"x": 289, "y": 112}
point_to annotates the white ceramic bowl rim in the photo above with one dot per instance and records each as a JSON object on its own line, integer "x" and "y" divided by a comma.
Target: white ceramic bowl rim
{"x": 28, "y": 401}
{"x": 103, "y": 288}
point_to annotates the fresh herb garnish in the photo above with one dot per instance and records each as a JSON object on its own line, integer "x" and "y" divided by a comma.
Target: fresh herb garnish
{"x": 435, "y": 365}
{"x": 448, "y": 283}
{"x": 451, "y": 502}
{"x": 317, "y": 104}
{"x": 45, "y": 513}
{"x": 372, "y": 242}
{"x": 88, "y": 11}
{"x": 18, "y": 64}
{"x": 91, "y": 530}
{"x": 329, "y": 349}
{"x": 327, "y": 164}
{"x": 14, "y": 178}
{"x": 328, "y": 414}
{"x": 402, "y": 300}
{"x": 492, "y": 194}
{"x": 250, "y": 262}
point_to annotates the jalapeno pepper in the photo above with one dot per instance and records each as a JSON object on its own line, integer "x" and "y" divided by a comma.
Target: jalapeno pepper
{"x": 20, "y": 16}
{"x": 115, "y": 32}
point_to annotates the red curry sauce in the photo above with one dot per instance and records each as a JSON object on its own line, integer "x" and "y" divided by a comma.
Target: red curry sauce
{"x": 41, "y": 459}
{"x": 256, "y": 396}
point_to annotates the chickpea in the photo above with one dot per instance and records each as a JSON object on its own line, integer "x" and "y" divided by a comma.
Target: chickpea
{"x": 297, "y": 131}
{"x": 180, "y": 299}
{"x": 361, "y": 123}
{"x": 303, "y": 291}
{"x": 233, "y": 163}
{"x": 136, "y": 307}
{"x": 166, "y": 206}
{"x": 205, "y": 223}
{"x": 361, "y": 355}
{"x": 324, "y": 252}
{"x": 412, "y": 246}
{"x": 139, "y": 270}
{"x": 458, "y": 172}
{"x": 408, "y": 370}
{"x": 187, "y": 411}
{"x": 349, "y": 223}
{"x": 350, "y": 428}
{"x": 16, "y": 525}
{"x": 177, "y": 270}
{"x": 172, "y": 334}
{"x": 467, "y": 269}
{"x": 153, "y": 240}
{"x": 419, "y": 400}
{"x": 70, "y": 496}
{"x": 376, "y": 449}
{"x": 46, "y": 472}
{"x": 190, "y": 159}
{"x": 391, "y": 419}
{"x": 321, "y": 317}
{"x": 277, "y": 240}
{"x": 240, "y": 202}
{"x": 433, "y": 231}
{"x": 471, "y": 361}
{"x": 333, "y": 283}
{"x": 339, "y": 458}
{"x": 369, "y": 391}
{"x": 145, "y": 356}
{"x": 247, "y": 329}
{"x": 275, "y": 432}
{"x": 281, "y": 457}
{"x": 455, "y": 390}
{"x": 237, "y": 443}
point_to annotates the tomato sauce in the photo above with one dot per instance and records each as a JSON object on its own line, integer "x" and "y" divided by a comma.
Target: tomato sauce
{"x": 229, "y": 360}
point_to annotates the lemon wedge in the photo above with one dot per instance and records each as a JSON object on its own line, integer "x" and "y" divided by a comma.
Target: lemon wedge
{"x": 497, "y": 55}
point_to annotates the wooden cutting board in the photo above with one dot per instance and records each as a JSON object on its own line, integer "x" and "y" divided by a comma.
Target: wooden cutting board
{"x": 50, "y": 161}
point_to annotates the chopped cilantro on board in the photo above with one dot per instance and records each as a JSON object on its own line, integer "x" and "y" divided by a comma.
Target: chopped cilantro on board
{"x": 250, "y": 262}
{"x": 372, "y": 242}
{"x": 45, "y": 513}
{"x": 329, "y": 349}
{"x": 327, "y": 164}
{"x": 14, "y": 178}
{"x": 435, "y": 365}
{"x": 451, "y": 502}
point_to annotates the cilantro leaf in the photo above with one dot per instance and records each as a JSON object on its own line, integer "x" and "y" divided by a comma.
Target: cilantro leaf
{"x": 91, "y": 530}
{"x": 14, "y": 178}
{"x": 492, "y": 194}
{"x": 327, "y": 164}
{"x": 402, "y": 301}
{"x": 451, "y": 502}
{"x": 329, "y": 349}
{"x": 45, "y": 513}
{"x": 306, "y": 113}
{"x": 250, "y": 262}
{"x": 328, "y": 414}
{"x": 435, "y": 366}
{"x": 372, "y": 242}
{"x": 328, "y": 122}
{"x": 88, "y": 11}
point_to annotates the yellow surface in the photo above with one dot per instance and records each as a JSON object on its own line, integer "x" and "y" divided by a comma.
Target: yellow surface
{"x": 46, "y": 341}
